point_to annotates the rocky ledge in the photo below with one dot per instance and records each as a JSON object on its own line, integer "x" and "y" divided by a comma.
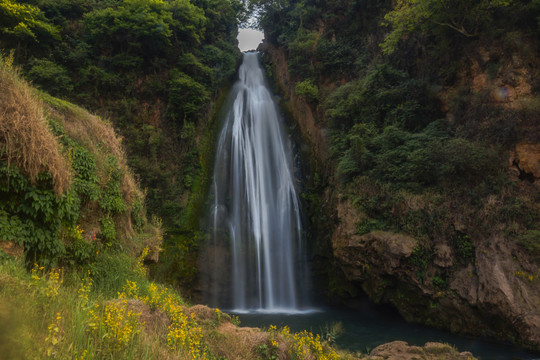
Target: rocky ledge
{"x": 495, "y": 295}
{"x": 400, "y": 350}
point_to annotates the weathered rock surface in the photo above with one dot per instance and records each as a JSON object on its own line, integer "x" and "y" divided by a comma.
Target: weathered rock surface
{"x": 496, "y": 296}
{"x": 400, "y": 350}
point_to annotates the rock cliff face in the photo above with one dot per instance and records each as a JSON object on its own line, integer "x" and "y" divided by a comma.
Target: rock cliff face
{"x": 301, "y": 111}
{"x": 496, "y": 292}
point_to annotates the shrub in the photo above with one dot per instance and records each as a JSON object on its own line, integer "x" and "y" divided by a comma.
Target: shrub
{"x": 308, "y": 91}
{"x": 33, "y": 215}
{"x": 112, "y": 200}
{"x": 368, "y": 225}
{"x": 187, "y": 97}
{"x": 530, "y": 240}
{"x": 108, "y": 230}
{"x": 50, "y": 76}
{"x": 464, "y": 247}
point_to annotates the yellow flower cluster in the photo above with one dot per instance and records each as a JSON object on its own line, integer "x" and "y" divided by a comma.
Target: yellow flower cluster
{"x": 130, "y": 290}
{"x": 114, "y": 324}
{"x": 54, "y": 282}
{"x": 140, "y": 268}
{"x": 36, "y": 273}
{"x": 53, "y": 337}
{"x": 77, "y": 232}
{"x": 48, "y": 283}
{"x": 304, "y": 345}
{"x": 184, "y": 334}
{"x": 524, "y": 275}
{"x": 85, "y": 288}
{"x": 83, "y": 355}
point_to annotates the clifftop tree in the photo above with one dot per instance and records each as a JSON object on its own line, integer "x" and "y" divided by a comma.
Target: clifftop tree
{"x": 464, "y": 16}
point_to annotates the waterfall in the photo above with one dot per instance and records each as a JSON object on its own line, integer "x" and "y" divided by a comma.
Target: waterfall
{"x": 256, "y": 230}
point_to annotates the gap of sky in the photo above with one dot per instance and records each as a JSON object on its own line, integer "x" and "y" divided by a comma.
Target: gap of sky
{"x": 249, "y": 39}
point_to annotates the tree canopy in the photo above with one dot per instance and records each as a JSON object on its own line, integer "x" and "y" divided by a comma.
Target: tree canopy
{"x": 464, "y": 16}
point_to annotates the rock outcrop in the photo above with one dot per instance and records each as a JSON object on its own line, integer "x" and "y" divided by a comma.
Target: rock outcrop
{"x": 400, "y": 350}
{"x": 495, "y": 296}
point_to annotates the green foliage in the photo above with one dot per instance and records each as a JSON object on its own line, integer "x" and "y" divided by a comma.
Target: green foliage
{"x": 108, "y": 229}
{"x": 477, "y": 119}
{"x": 23, "y": 25}
{"x": 468, "y": 18}
{"x": 151, "y": 66}
{"x": 78, "y": 250}
{"x": 440, "y": 282}
{"x": 33, "y": 215}
{"x": 186, "y": 97}
{"x": 267, "y": 353}
{"x": 86, "y": 180}
{"x": 303, "y": 46}
{"x": 337, "y": 57}
{"x": 383, "y": 125}
{"x": 308, "y": 91}
{"x": 110, "y": 271}
{"x": 112, "y": 200}
{"x": 530, "y": 240}
{"x": 421, "y": 258}
{"x": 143, "y": 28}
{"x": 138, "y": 213}
{"x": 50, "y": 76}
{"x": 385, "y": 96}
{"x": 422, "y": 159}
{"x": 368, "y": 225}
{"x": 11, "y": 228}
{"x": 464, "y": 247}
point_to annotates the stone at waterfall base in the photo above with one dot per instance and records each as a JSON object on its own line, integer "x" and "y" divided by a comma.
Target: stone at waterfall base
{"x": 400, "y": 350}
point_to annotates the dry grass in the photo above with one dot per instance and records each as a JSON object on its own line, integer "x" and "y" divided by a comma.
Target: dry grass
{"x": 25, "y": 138}
{"x": 96, "y": 135}
{"x": 232, "y": 342}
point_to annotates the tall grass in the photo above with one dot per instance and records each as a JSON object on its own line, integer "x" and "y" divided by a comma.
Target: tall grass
{"x": 52, "y": 314}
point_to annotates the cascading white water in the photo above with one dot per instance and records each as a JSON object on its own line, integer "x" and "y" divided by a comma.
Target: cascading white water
{"x": 256, "y": 208}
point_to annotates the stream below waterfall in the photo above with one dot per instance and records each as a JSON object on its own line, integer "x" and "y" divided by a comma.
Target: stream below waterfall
{"x": 365, "y": 329}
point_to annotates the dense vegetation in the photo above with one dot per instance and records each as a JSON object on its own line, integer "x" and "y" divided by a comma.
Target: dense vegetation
{"x": 66, "y": 190}
{"x": 153, "y": 68}
{"x": 383, "y": 78}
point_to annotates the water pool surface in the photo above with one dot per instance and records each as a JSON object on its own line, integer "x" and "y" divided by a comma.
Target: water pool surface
{"x": 363, "y": 330}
